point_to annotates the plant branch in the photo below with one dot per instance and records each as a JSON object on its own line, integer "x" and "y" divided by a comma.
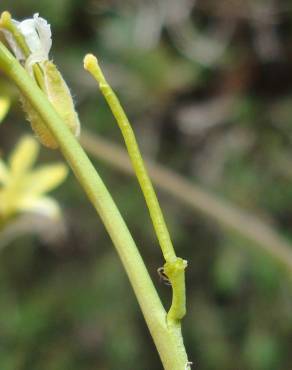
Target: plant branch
{"x": 258, "y": 233}
{"x": 168, "y": 339}
{"x": 91, "y": 65}
{"x": 174, "y": 267}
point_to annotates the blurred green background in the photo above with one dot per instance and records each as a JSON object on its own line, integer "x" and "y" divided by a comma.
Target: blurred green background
{"x": 208, "y": 87}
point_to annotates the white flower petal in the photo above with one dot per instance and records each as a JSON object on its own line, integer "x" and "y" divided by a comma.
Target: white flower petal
{"x": 34, "y": 58}
{"x": 44, "y": 31}
{"x": 13, "y": 45}
{"x": 28, "y": 30}
{"x": 38, "y": 36}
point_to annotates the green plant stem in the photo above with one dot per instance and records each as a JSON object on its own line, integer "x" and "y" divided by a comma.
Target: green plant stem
{"x": 91, "y": 65}
{"x": 167, "y": 338}
{"x": 174, "y": 267}
{"x": 258, "y": 234}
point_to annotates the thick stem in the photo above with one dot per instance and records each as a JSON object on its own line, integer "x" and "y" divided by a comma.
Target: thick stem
{"x": 168, "y": 339}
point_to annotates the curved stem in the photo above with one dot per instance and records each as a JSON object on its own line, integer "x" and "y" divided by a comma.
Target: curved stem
{"x": 256, "y": 232}
{"x": 91, "y": 65}
{"x": 174, "y": 267}
{"x": 168, "y": 339}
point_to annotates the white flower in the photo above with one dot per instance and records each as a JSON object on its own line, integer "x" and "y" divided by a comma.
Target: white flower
{"x": 38, "y": 37}
{"x": 37, "y": 34}
{"x": 34, "y": 47}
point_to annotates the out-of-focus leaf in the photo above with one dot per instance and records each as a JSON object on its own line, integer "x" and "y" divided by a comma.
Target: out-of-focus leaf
{"x": 229, "y": 269}
{"x": 262, "y": 351}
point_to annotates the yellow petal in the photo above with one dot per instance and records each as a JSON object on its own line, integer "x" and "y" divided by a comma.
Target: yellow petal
{"x": 3, "y": 172}
{"x": 45, "y": 206}
{"x": 45, "y": 179}
{"x": 4, "y": 106}
{"x": 8, "y": 201}
{"x": 24, "y": 155}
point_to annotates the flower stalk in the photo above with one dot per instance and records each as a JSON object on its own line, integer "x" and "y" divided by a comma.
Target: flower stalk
{"x": 174, "y": 267}
{"x": 167, "y": 338}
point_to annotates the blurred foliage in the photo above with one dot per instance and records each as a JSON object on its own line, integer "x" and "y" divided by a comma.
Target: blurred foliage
{"x": 208, "y": 87}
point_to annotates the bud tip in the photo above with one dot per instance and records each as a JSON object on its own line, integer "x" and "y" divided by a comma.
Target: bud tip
{"x": 91, "y": 65}
{"x": 5, "y": 19}
{"x": 90, "y": 61}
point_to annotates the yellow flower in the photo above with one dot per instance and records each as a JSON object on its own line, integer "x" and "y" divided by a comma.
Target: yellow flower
{"x": 22, "y": 188}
